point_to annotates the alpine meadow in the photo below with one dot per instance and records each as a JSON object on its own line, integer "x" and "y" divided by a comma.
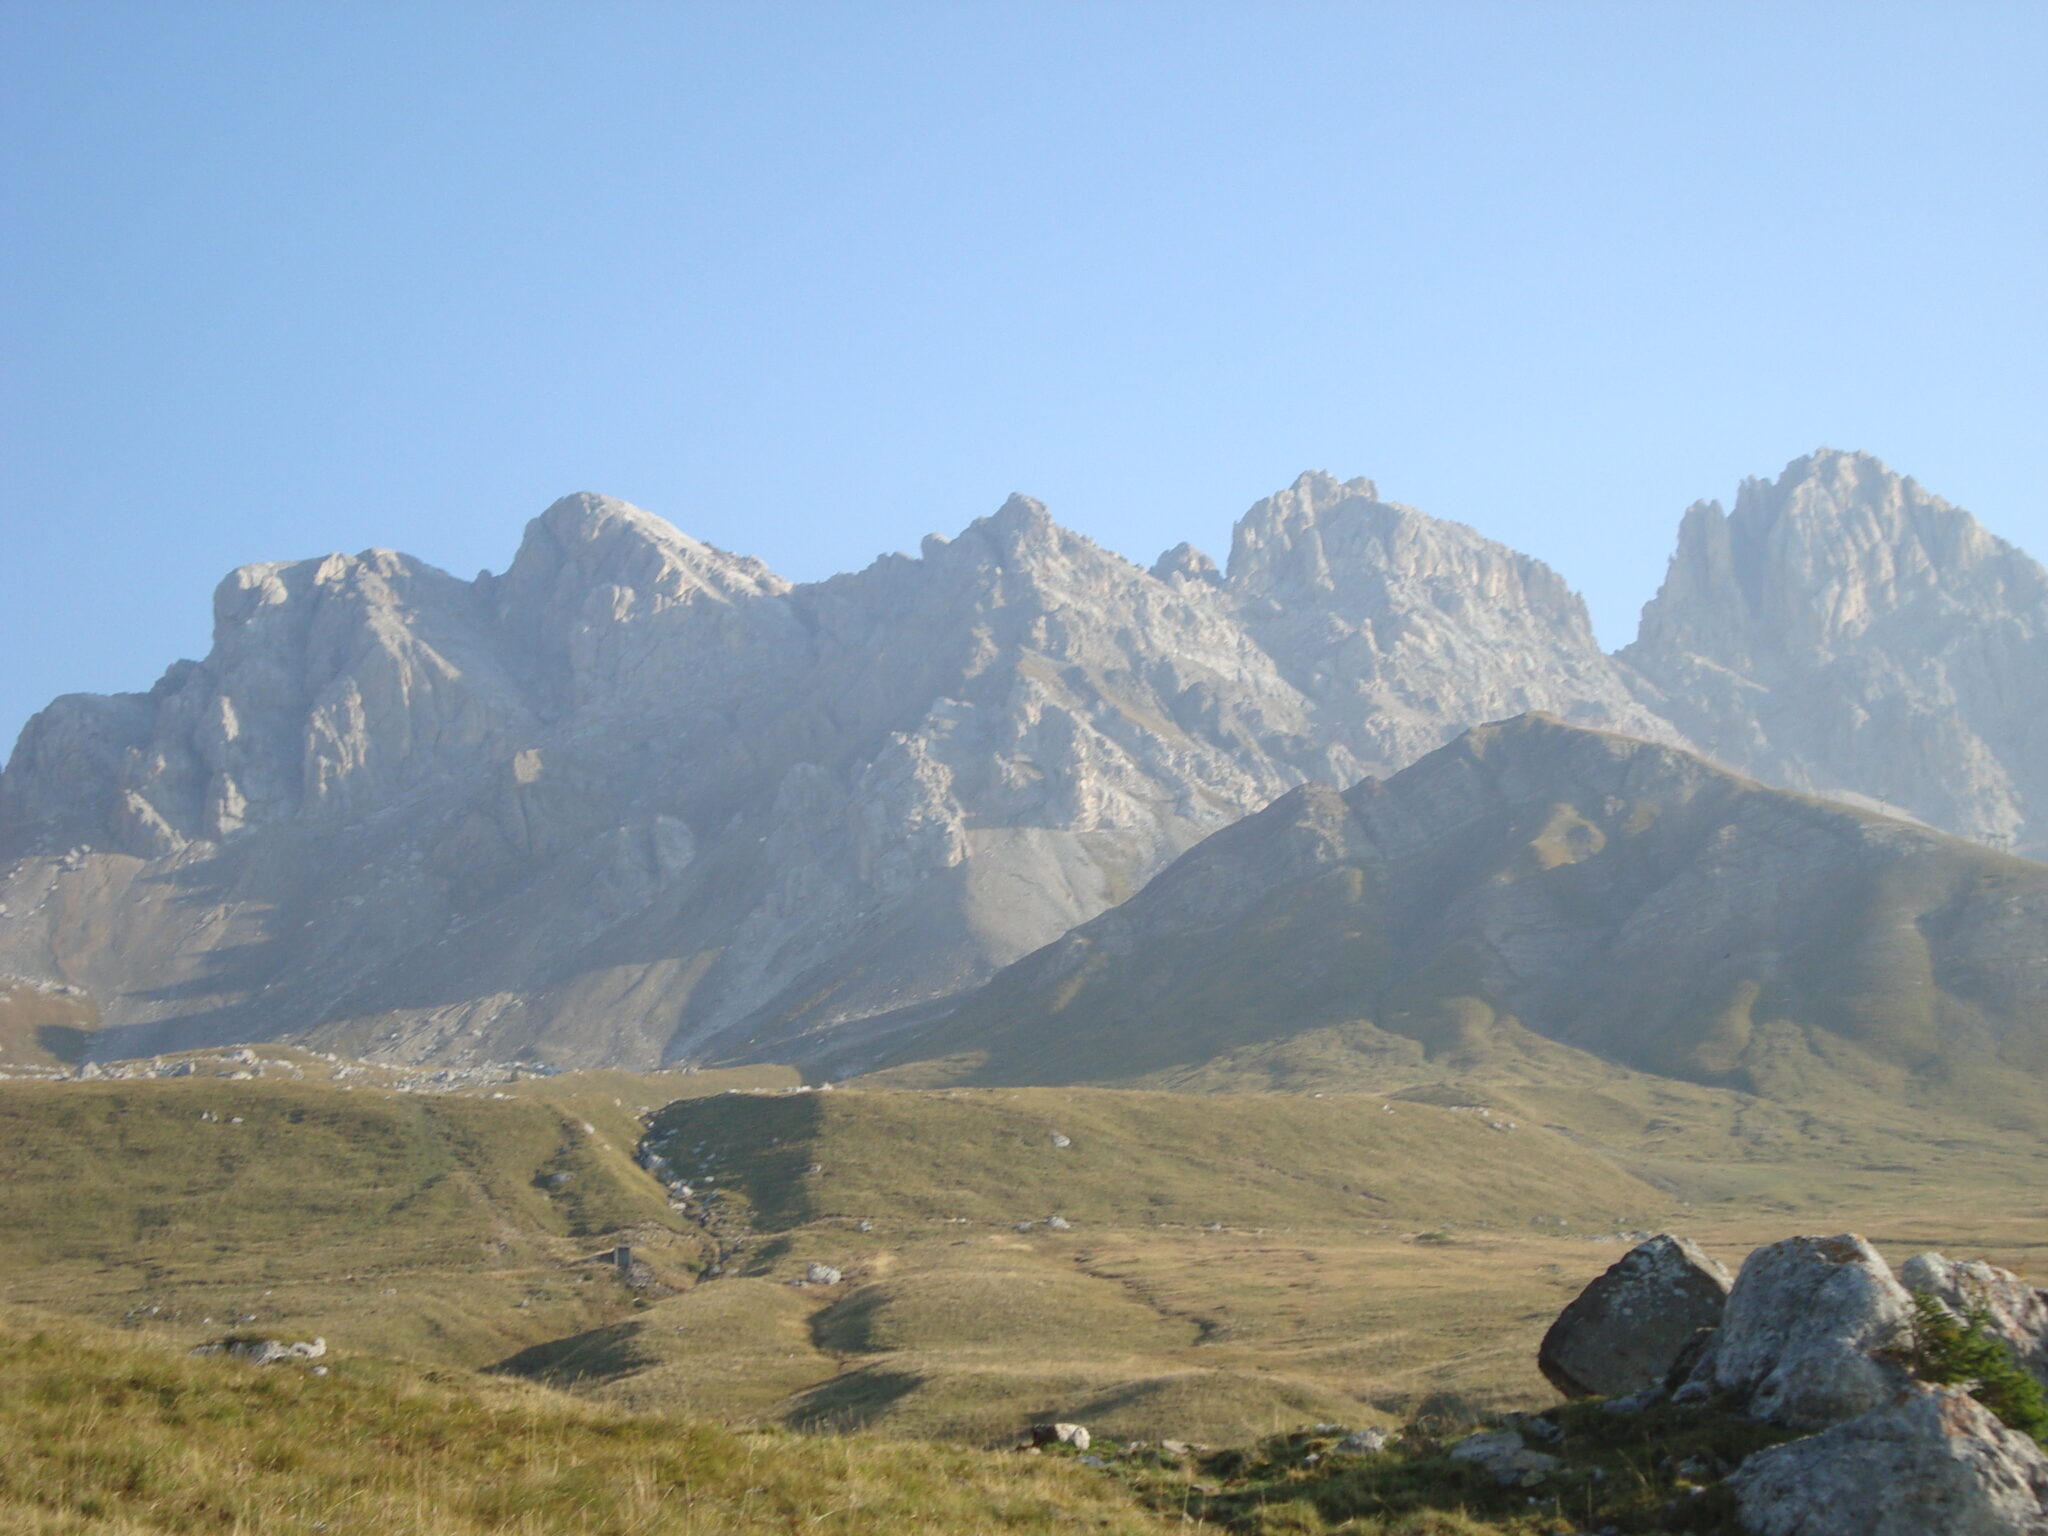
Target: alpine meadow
{"x": 1364, "y": 1023}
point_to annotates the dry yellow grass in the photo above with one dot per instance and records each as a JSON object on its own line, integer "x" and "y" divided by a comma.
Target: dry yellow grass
{"x": 1362, "y": 1266}
{"x": 119, "y": 1437}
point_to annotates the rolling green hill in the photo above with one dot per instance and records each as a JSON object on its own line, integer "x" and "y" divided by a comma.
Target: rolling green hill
{"x": 1536, "y": 902}
{"x": 1222, "y": 1266}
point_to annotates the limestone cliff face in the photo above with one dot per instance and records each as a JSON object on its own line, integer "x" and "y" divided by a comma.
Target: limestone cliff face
{"x": 639, "y": 799}
{"x": 1405, "y": 629}
{"x": 1845, "y": 630}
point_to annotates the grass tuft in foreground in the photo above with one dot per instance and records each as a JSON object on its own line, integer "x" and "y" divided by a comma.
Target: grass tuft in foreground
{"x": 114, "y": 1436}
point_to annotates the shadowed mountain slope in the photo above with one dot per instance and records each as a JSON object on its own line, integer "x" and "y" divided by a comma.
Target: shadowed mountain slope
{"x": 1532, "y": 896}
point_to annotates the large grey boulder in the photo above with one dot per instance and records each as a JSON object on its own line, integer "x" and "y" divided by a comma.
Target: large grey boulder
{"x": 1624, "y": 1331}
{"x": 1930, "y": 1462}
{"x": 2018, "y": 1312}
{"x": 1806, "y": 1329}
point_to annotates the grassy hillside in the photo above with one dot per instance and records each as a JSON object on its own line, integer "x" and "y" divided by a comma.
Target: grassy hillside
{"x": 1540, "y": 902}
{"x": 41, "y": 1027}
{"x": 442, "y": 1225}
{"x": 111, "y": 1435}
{"x": 1265, "y": 1160}
{"x": 1229, "y": 1266}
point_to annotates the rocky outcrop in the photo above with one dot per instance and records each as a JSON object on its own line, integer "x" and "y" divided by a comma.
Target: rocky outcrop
{"x": 1844, "y": 630}
{"x": 1817, "y": 1337}
{"x": 1503, "y": 1456}
{"x": 1926, "y": 1459}
{"x": 264, "y": 1351}
{"x": 1075, "y": 1435}
{"x": 1624, "y": 1332}
{"x": 1810, "y": 1334}
{"x": 2014, "y": 1310}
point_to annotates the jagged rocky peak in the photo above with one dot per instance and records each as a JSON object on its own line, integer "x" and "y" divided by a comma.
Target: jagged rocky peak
{"x": 330, "y": 682}
{"x": 1406, "y": 629}
{"x": 1189, "y": 564}
{"x": 1282, "y": 539}
{"x": 586, "y": 546}
{"x": 1845, "y": 630}
{"x": 1816, "y": 558}
{"x": 1334, "y": 546}
{"x": 599, "y": 587}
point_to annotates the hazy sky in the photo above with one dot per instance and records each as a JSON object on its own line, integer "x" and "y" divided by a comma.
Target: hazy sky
{"x": 813, "y": 280}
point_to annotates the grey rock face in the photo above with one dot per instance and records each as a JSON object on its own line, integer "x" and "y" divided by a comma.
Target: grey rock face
{"x": 1927, "y": 1459}
{"x": 1843, "y": 630}
{"x": 1805, "y": 1326}
{"x": 1624, "y": 1331}
{"x": 1404, "y": 629}
{"x": 638, "y": 799}
{"x": 2018, "y": 1312}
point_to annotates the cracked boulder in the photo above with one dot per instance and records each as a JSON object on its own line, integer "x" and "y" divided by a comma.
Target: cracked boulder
{"x": 1624, "y": 1331}
{"x": 1811, "y": 1334}
{"x": 1930, "y": 1459}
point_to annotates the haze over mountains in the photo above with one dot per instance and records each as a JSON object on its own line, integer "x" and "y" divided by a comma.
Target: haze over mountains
{"x": 638, "y": 799}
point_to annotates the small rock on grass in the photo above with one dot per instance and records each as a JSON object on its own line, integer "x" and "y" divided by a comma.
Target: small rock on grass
{"x": 1060, "y": 1434}
{"x": 1362, "y": 1442}
{"x": 1501, "y": 1454}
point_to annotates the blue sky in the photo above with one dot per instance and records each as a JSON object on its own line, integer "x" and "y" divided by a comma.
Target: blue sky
{"x": 814, "y": 280}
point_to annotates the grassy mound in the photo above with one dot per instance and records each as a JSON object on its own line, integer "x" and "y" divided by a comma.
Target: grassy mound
{"x": 1120, "y": 1157}
{"x": 440, "y": 1226}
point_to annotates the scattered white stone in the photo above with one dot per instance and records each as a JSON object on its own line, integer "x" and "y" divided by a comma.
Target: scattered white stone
{"x": 1060, "y": 1434}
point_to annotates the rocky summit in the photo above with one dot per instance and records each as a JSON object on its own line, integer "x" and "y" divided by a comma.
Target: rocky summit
{"x": 639, "y": 800}
{"x": 1844, "y": 629}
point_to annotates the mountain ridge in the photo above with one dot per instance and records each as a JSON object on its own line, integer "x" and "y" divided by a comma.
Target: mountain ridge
{"x": 1531, "y": 892}
{"x": 638, "y": 799}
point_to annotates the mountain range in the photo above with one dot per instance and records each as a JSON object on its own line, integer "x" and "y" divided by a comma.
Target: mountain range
{"x": 639, "y": 800}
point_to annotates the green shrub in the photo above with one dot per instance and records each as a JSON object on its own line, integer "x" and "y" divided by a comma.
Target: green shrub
{"x": 1965, "y": 1351}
